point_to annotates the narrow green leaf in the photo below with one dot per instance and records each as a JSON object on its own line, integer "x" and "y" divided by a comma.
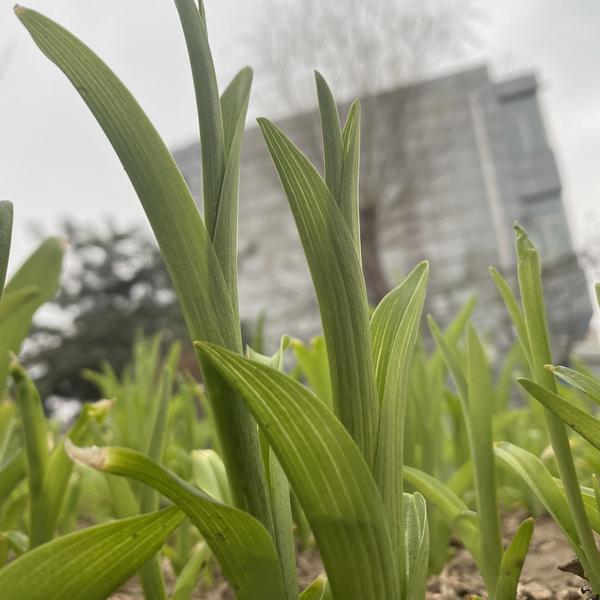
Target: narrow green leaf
{"x": 327, "y": 472}
{"x": 239, "y": 542}
{"x": 6, "y": 221}
{"x": 210, "y": 119}
{"x": 454, "y": 511}
{"x": 41, "y": 270}
{"x": 151, "y": 575}
{"x": 584, "y": 424}
{"x": 535, "y": 474}
{"x": 234, "y": 105}
{"x": 394, "y": 330}
{"x": 530, "y": 284}
{"x": 349, "y": 201}
{"x": 512, "y": 562}
{"x": 35, "y": 432}
{"x": 584, "y": 383}
{"x": 332, "y": 137}
{"x": 480, "y": 404}
{"x": 12, "y": 471}
{"x": 451, "y": 360}
{"x": 183, "y": 239}
{"x": 314, "y": 364}
{"x": 88, "y": 564}
{"x": 13, "y": 301}
{"x": 417, "y": 546}
{"x": 316, "y": 590}
{"x": 186, "y": 582}
{"x": 340, "y": 287}
{"x": 514, "y": 310}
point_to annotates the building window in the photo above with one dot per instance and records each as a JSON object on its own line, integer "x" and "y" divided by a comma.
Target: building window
{"x": 546, "y": 223}
{"x": 526, "y": 128}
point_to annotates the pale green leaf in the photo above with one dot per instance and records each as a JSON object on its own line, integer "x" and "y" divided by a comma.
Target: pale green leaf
{"x": 90, "y": 563}
{"x": 326, "y": 471}
{"x": 240, "y": 543}
{"x": 512, "y": 562}
{"x": 339, "y": 283}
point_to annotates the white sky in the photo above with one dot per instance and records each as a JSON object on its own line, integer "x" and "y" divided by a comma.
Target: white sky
{"x": 54, "y": 160}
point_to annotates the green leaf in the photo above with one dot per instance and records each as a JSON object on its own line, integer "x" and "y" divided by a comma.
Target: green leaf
{"x": 13, "y": 301}
{"x": 512, "y": 562}
{"x": 584, "y": 383}
{"x": 212, "y": 136}
{"x": 326, "y": 471}
{"x": 183, "y": 239}
{"x": 480, "y": 402}
{"x": 240, "y": 543}
{"x": 317, "y": 590}
{"x": 349, "y": 204}
{"x": 6, "y": 221}
{"x": 535, "y": 474}
{"x": 234, "y": 105}
{"x": 41, "y": 271}
{"x": 314, "y": 365}
{"x": 394, "y": 330}
{"x": 514, "y": 310}
{"x": 417, "y": 546}
{"x": 454, "y": 511}
{"x": 339, "y": 283}
{"x": 35, "y": 432}
{"x": 88, "y": 564}
{"x": 12, "y": 471}
{"x": 186, "y": 582}
{"x": 332, "y": 137}
{"x": 583, "y": 423}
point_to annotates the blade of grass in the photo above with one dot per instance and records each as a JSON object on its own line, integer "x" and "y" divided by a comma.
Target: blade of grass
{"x": 88, "y": 564}
{"x": 326, "y": 471}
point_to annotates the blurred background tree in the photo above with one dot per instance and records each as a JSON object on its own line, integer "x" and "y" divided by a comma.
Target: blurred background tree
{"x": 115, "y": 286}
{"x": 386, "y": 45}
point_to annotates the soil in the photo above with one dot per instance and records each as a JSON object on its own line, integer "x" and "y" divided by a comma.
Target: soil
{"x": 540, "y": 580}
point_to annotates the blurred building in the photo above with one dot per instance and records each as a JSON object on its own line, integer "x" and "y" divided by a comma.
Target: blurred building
{"x": 473, "y": 156}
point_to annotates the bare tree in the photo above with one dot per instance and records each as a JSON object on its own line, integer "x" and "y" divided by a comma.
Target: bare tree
{"x": 368, "y": 49}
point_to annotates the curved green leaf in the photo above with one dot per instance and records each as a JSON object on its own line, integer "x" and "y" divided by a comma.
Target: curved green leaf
{"x": 512, "y": 562}
{"x": 41, "y": 271}
{"x": 240, "y": 543}
{"x": 394, "y": 330}
{"x": 339, "y": 283}
{"x": 349, "y": 204}
{"x": 588, "y": 385}
{"x": 454, "y": 511}
{"x": 332, "y": 137}
{"x": 584, "y": 424}
{"x": 88, "y": 564}
{"x": 326, "y": 471}
{"x": 417, "y": 546}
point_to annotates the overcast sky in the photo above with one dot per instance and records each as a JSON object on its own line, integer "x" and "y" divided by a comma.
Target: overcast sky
{"x": 54, "y": 160}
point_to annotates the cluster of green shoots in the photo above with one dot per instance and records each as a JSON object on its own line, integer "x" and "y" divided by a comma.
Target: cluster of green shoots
{"x": 370, "y": 459}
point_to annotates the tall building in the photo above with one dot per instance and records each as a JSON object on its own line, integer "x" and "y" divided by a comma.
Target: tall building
{"x": 465, "y": 156}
